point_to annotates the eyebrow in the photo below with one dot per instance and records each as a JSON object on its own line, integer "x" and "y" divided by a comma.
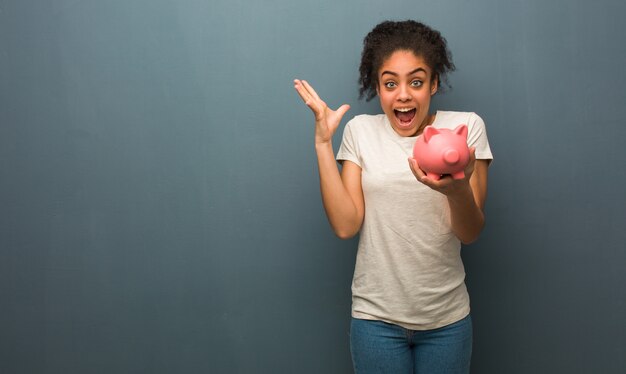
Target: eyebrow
{"x": 396, "y": 74}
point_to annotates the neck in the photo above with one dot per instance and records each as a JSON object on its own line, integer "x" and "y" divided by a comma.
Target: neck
{"x": 430, "y": 118}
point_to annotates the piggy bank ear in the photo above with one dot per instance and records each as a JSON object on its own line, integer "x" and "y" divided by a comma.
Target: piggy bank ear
{"x": 461, "y": 130}
{"x": 429, "y": 131}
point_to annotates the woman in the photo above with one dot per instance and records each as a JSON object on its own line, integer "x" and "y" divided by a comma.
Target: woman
{"x": 410, "y": 307}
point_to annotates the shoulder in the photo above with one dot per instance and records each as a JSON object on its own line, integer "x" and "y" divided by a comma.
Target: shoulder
{"x": 371, "y": 120}
{"x": 366, "y": 124}
{"x": 451, "y": 119}
{"x": 477, "y": 134}
{"x": 358, "y": 135}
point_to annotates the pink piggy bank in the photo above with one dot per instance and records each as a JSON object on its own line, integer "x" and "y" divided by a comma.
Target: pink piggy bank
{"x": 442, "y": 151}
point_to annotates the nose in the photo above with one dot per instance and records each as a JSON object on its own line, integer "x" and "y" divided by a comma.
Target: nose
{"x": 404, "y": 94}
{"x": 451, "y": 156}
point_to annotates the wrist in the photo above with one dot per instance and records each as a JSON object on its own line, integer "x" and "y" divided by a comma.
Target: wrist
{"x": 461, "y": 194}
{"x": 323, "y": 145}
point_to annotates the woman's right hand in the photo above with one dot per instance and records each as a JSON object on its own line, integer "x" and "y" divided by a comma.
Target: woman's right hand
{"x": 326, "y": 120}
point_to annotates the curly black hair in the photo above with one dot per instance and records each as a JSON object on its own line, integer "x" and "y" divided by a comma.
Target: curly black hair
{"x": 390, "y": 36}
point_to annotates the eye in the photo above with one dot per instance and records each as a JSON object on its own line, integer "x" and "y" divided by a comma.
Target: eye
{"x": 390, "y": 84}
{"x": 417, "y": 83}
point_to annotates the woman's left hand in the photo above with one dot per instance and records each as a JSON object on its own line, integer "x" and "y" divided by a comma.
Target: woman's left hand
{"x": 447, "y": 185}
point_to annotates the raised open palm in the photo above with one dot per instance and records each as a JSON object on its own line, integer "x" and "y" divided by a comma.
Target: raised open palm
{"x": 326, "y": 119}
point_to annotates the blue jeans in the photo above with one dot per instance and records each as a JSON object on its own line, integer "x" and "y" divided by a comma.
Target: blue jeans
{"x": 379, "y": 347}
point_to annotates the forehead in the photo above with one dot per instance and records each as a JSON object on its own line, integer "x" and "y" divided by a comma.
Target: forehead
{"x": 403, "y": 62}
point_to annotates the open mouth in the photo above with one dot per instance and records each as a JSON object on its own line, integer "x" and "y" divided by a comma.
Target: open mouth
{"x": 405, "y": 116}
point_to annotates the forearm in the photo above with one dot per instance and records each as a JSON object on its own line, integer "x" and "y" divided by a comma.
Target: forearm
{"x": 341, "y": 192}
{"x": 467, "y": 217}
{"x": 342, "y": 211}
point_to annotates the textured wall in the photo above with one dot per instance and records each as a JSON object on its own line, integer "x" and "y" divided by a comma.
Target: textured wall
{"x": 159, "y": 202}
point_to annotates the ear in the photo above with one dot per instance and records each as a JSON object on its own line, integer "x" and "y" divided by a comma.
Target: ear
{"x": 434, "y": 85}
{"x": 429, "y": 132}
{"x": 461, "y": 130}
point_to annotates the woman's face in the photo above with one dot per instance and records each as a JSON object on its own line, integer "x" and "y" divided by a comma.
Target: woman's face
{"x": 405, "y": 86}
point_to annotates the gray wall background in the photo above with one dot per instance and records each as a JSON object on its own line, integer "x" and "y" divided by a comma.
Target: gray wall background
{"x": 159, "y": 200}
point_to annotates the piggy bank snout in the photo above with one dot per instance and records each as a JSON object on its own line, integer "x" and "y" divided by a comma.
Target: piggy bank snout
{"x": 451, "y": 156}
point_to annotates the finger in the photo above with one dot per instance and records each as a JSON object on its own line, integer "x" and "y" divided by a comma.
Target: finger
{"x": 302, "y": 91}
{"x": 472, "y": 152}
{"x": 472, "y": 160}
{"x": 419, "y": 174}
{"x": 442, "y": 184}
{"x": 431, "y": 183}
{"x": 311, "y": 99}
{"x": 341, "y": 111}
{"x": 411, "y": 165}
{"x": 418, "y": 170}
{"x": 445, "y": 180}
{"x": 310, "y": 89}
{"x": 315, "y": 105}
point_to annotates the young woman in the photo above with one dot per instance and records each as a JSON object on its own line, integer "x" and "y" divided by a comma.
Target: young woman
{"x": 410, "y": 307}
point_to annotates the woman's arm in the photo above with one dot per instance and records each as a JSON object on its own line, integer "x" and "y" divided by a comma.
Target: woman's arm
{"x": 466, "y": 207}
{"x": 342, "y": 195}
{"x": 466, "y": 197}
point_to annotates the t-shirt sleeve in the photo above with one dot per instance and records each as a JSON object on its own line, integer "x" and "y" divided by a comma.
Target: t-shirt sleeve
{"x": 348, "y": 149}
{"x": 477, "y": 137}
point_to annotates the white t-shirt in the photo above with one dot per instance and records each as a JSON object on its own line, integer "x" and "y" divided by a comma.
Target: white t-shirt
{"x": 408, "y": 268}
